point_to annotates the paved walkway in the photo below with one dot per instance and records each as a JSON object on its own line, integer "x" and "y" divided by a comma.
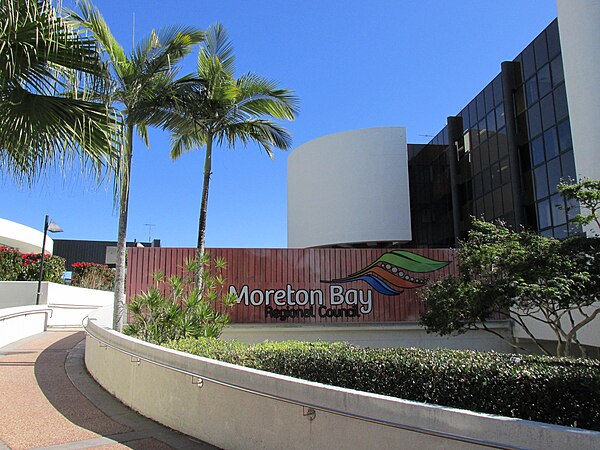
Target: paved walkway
{"x": 49, "y": 401}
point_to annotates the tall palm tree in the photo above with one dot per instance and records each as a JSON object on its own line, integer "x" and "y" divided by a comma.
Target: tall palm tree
{"x": 223, "y": 109}
{"x": 50, "y": 77}
{"x": 142, "y": 82}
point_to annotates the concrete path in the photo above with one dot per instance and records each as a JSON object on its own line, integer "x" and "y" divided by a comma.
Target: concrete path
{"x": 49, "y": 401}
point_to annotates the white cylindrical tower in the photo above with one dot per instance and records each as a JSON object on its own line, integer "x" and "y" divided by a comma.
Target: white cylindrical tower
{"x": 349, "y": 188}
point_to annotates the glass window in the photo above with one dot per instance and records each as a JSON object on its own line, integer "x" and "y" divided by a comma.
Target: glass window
{"x": 561, "y": 232}
{"x": 504, "y": 171}
{"x": 487, "y": 180}
{"x": 507, "y": 197}
{"x": 547, "y": 233}
{"x": 547, "y": 107}
{"x": 486, "y": 159}
{"x": 482, "y": 130}
{"x": 496, "y": 178}
{"x": 551, "y": 143}
{"x": 493, "y": 149}
{"x": 472, "y": 114}
{"x": 488, "y": 204}
{"x": 554, "y": 174}
{"x": 568, "y": 166}
{"x": 572, "y": 209}
{"x": 480, "y": 106}
{"x": 541, "y": 50}
{"x": 556, "y": 67}
{"x": 537, "y": 151}
{"x": 553, "y": 39}
{"x": 541, "y": 182}
{"x": 544, "y": 81}
{"x": 544, "y": 214}
{"x": 498, "y": 93}
{"x": 559, "y": 215}
{"x": 498, "y": 209}
{"x": 502, "y": 145}
{"x": 491, "y": 121}
{"x": 535, "y": 120}
{"x": 564, "y": 136}
{"x": 560, "y": 102}
{"x": 531, "y": 91}
{"x": 528, "y": 62}
{"x": 489, "y": 98}
{"x": 477, "y": 186}
{"x": 500, "y": 120}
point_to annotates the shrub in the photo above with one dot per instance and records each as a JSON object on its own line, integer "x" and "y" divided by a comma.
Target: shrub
{"x": 11, "y": 264}
{"x": 93, "y": 276}
{"x": 54, "y": 267}
{"x": 548, "y": 389}
{"x": 185, "y": 310}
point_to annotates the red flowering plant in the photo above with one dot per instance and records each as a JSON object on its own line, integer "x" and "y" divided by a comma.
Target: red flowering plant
{"x": 93, "y": 276}
{"x": 17, "y": 266}
{"x": 11, "y": 264}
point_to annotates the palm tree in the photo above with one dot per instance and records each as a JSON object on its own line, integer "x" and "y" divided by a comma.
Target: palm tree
{"x": 50, "y": 76}
{"x": 142, "y": 82}
{"x": 225, "y": 110}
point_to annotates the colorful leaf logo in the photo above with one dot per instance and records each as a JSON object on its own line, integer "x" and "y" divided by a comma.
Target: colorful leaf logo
{"x": 389, "y": 275}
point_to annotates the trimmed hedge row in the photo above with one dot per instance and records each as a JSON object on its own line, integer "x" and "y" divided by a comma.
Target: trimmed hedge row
{"x": 554, "y": 390}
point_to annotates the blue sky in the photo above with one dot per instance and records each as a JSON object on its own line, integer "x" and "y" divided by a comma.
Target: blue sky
{"x": 353, "y": 64}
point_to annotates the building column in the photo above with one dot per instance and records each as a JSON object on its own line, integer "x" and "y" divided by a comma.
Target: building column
{"x": 510, "y": 75}
{"x": 455, "y": 134}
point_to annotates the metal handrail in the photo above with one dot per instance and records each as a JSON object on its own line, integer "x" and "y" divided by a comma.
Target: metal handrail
{"x": 314, "y": 407}
{"x": 26, "y": 313}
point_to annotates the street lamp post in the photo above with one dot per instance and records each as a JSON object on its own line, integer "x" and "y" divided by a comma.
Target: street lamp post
{"x": 49, "y": 225}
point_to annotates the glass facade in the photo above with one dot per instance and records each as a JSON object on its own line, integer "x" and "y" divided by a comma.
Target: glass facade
{"x": 539, "y": 143}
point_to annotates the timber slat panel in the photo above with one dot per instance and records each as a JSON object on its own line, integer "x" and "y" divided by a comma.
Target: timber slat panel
{"x": 269, "y": 270}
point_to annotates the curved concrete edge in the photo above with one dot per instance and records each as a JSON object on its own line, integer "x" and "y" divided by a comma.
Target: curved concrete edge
{"x": 23, "y": 238}
{"x": 239, "y": 408}
{"x": 20, "y": 322}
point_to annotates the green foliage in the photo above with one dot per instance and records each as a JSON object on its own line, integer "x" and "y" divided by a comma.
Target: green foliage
{"x": 548, "y": 389}
{"x": 93, "y": 276}
{"x": 518, "y": 275}
{"x": 17, "y": 266}
{"x": 587, "y": 193}
{"x": 185, "y": 310}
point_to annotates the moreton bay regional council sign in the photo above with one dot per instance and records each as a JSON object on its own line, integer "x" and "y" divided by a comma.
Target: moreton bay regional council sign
{"x": 310, "y": 285}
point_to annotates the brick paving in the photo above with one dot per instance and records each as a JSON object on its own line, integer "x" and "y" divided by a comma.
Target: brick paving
{"x": 49, "y": 401}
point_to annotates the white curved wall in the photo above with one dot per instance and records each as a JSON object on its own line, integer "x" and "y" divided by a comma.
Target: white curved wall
{"x": 579, "y": 25}
{"x": 349, "y": 187}
{"x": 23, "y": 238}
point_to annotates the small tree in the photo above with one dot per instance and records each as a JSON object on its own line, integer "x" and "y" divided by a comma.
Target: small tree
{"x": 521, "y": 276}
{"x": 186, "y": 311}
{"x": 587, "y": 193}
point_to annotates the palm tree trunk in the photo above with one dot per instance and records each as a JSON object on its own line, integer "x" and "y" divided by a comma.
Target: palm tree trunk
{"x": 119, "y": 303}
{"x": 204, "y": 208}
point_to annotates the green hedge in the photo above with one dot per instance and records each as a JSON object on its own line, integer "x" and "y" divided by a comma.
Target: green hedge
{"x": 17, "y": 266}
{"x": 554, "y": 390}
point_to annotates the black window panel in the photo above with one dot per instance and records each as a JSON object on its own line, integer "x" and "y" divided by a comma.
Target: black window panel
{"x": 522, "y": 132}
{"x": 547, "y": 107}
{"x": 498, "y": 93}
{"x": 482, "y": 126}
{"x": 498, "y": 208}
{"x": 544, "y": 214}
{"x": 487, "y": 180}
{"x": 541, "y": 50}
{"x": 568, "y": 166}
{"x": 531, "y": 91}
{"x": 561, "y": 232}
{"x": 551, "y": 143}
{"x": 480, "y": 106}
{"x": 502, "y": 143}
{"x": 524, "y": 157}
{"x": 541, "y": 182}
{"x": 495, "y": 173}
{"x": 473, "y": 114}
{"x": 559, "y": 214}
{"x": 553, "y": 39}
{"x": 556, "y": 68}
{"x": 564, "y": 136}
{"x": 528, "y": 62}
{"x": 491, "y": 121}
{"x": 465, "y": 118}
{"x": 519, "y": 99}
{"x": 500, "y": 119}
{"x": 560, "y": 102}
{"x": 505, "y": 171}
{"x": 507, "y": 200}
{"x": 547, "y": 233}
{"x": 476, "y": 160}
{"x": 488, "y": 93}
{"x": 534, "y": 119}
{"x": 530, "y": 214}
{"x": 474, "y": 132}
{"x": 544, "y": 80}
{"x": 488, "y": 203}
{"x": 485, "y": 155}
{"x": 493, "y": 149}
{"x": 537, "y": 151}
{"x": 554, "y": 174}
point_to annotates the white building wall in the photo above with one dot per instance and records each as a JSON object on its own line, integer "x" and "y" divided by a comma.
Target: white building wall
{"x": 579, "y": 26}
{"x": 23, "y": 238}
{"x": 349, "y": 187}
